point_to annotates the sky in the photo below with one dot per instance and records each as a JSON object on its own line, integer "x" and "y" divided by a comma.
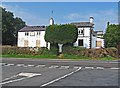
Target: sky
{"x": 39, "y": 13}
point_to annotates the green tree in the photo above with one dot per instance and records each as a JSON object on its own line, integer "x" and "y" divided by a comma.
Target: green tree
{"x": 112, "y": 35}
{"x": 10, "y": 27}
{"x": 61, "y": 34}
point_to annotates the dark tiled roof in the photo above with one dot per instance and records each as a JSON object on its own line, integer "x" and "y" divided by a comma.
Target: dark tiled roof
{"x": 83, "y": 24}
{"x": 33, "y": 28}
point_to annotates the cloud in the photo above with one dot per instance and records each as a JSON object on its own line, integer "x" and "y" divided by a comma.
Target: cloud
{"x": 100, "y": 18}
{"x": 72, "y": 16}
{"x": 29, "y": 18}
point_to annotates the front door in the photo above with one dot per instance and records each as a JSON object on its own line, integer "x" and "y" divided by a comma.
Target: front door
{"x": 80, "y": 42}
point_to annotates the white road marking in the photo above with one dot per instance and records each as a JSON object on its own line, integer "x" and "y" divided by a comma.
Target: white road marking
{"x": 89, "y": 67}
{"x": 13, "y": 80}
{"x": 10, "y": 77}
{"x": 100, "y": 68}
{"x": 76, "y": 67}
{"x": 114, "y": 68}
{"x": 40, "y": 66}
{"x": 64, "y": 67}
{"x": 1, "y": 64}
{"x": 27, "y": 75}
{"x": 61, "y": 77}
{"x": 30, "y": 65}
{"x": 54, "y": 66}
{"x": 20, "y": 65}
{"x": 9, "y": 65}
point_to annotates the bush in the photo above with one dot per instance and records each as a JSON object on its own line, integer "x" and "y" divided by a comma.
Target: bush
{"x": 67, "y": 50}
{"x": 92, "y": 53}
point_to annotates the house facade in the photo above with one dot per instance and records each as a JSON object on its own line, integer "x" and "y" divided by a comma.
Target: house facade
{"x": 33, "y": 36}
{"x": 87, "y": 37}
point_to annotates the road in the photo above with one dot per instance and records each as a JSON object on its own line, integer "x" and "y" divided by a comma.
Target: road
{"x": 34, "y": 72}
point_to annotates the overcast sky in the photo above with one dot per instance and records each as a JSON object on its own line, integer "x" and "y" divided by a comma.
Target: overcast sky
{"x": 39, "y": 13}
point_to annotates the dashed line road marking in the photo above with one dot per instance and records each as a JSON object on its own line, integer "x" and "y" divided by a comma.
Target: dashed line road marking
{"x": 20, "y": 65}
{"x": 61, "y": 77}
{"x": 89, "y": 67}
{"x": 29, "y": 65}
{"x": 53, "y": 67}
{"x": 100, "y": 68}
{"x": 76, "y": 67}
{"x": 9, "y": 65}
{"x": 115, "y": 68}
{"x": 3, "y": 64}
{"x": 40, "y": 66}
{"x": 64, "y": 67}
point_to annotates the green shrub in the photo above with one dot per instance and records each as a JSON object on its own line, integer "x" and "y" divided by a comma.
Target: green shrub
{"x": 68, "y": 51}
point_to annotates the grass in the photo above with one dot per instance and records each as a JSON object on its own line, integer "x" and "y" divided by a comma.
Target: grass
{"x": 65, "y": 56}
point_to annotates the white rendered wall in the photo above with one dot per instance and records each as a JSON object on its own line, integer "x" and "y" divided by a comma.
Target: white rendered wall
{"x": 94, "y": 39}
{"x": 42, "y": 40}
{"x": 85, "y": 37}
{"x": 102, "y": 40}
{"x": 31, "y": 39}
{"x": 86, "y": 31}
{"x": 20, "y": 42}
{"x": 86, "y": 42}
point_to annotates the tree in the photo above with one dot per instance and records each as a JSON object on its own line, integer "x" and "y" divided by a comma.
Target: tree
{"x": 10, "y": 27}
{"x": 112, "y": 35}
{"x": 61, "y": 34}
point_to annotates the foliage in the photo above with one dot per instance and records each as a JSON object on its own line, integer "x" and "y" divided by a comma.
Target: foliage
{"x": 69, "y": 53}
{"x": 112, "y": 35}
{"x": 10, "y": 27}
{"x": 61, "y": 34}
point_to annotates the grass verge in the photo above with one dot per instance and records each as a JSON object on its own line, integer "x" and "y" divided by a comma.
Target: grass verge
{"x": 66, "y": 56}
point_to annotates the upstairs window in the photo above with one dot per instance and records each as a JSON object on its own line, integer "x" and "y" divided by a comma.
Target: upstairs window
{"x": 26, "y": 33}
{"x": 32, "y": 33}
{"x": 38, "y": 33}
{"x": 80, "y": 31}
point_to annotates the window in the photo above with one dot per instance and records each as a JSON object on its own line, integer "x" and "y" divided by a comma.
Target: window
{"x": 80, "y": 31}
{"x": 98, "y": 43}
{"x": 80, "y": 42}
{"x": 38, "y": 33}
{"x": 26, "y": 33}
{"x": 32, "y": 33}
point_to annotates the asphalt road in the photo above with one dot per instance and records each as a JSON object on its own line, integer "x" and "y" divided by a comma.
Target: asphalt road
{"x": 29, "y": 72}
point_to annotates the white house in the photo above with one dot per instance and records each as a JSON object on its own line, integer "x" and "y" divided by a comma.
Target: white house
{"x": 86, "y": 35}
{"x": 33, "y": 36}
